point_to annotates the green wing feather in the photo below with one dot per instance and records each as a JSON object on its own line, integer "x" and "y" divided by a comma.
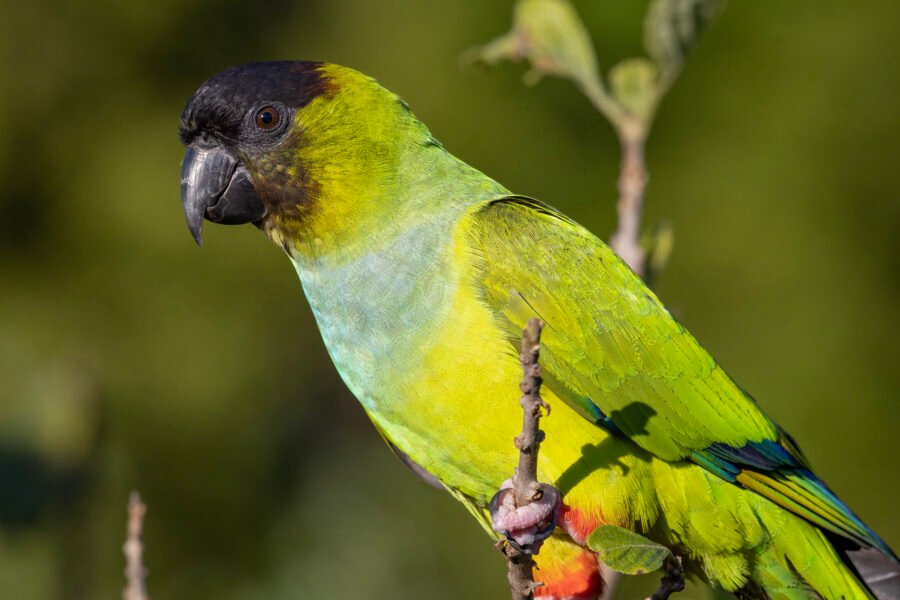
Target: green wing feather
{"x": 609, "y": 342}
{"x": 613, "y": 352}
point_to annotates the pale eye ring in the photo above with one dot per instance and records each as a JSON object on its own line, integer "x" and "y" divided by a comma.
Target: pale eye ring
{"x": 268, "y": 118}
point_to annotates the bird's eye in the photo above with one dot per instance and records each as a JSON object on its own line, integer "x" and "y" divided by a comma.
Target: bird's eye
{"x": 268, "y": 118}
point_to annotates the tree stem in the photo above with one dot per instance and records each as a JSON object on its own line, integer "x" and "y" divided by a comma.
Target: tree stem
{"x": 135, "y": 572}
{"x": 632, "y": 182}
{"x": 528, "y": 442}
{"x": 520, "y": 564}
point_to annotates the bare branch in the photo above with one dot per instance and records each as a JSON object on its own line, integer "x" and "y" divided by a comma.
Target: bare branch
{"x": 626, "y": 241}
{"x": 528, "y": 442}
{"x": 525, "y": 492}
{"x": 135, "y": 572}
{"x": 520, "y": 572}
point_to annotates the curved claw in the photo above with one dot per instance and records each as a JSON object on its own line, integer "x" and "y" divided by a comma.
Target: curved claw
{"x": 525, "y": 527}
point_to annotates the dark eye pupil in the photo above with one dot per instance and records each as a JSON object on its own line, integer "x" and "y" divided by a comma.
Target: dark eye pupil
{"x": 267, "y": 118}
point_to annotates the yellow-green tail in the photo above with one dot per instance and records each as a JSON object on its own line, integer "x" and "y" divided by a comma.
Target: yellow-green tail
{"x": 799, "y": 559}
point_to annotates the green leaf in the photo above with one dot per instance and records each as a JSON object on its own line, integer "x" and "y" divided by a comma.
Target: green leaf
{"x": 672, "y": 29}
{"x": 626, "y": 551}
{"x": 633, "y": 83}
{"x": 550, "y": 35}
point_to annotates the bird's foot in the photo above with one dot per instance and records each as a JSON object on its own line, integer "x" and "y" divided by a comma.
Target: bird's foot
{"x": 673, "y": 580}
{"x": 527, "y": 526}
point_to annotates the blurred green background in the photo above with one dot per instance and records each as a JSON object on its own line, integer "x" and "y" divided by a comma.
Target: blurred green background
{"x": 131, "y": 360}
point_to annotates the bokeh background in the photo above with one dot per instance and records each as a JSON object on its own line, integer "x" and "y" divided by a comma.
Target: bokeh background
{"x": 129, "y": 359}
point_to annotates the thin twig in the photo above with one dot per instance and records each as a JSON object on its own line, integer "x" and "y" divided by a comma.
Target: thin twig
{"x": 672, "y": 581}
{"x": 135, "y": 572}
{"x": 632, "y": 132}
{"x": 626, "y": 241}
{"x": 520, "y": 572}
{"x": 526, "y": 488}
{"x": 528, "y": 442}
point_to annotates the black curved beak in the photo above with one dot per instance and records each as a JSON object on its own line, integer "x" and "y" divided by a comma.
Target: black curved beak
{"x": 216, "y": 186}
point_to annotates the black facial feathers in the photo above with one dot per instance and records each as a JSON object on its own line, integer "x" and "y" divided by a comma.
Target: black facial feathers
{"x": 219, "y": 109}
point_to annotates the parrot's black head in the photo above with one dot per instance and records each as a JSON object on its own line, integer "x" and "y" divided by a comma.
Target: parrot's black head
{"x": 242, "y": 113}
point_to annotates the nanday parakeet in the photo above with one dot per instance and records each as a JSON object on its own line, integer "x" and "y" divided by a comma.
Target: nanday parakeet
{"x": 421, "y": 273}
